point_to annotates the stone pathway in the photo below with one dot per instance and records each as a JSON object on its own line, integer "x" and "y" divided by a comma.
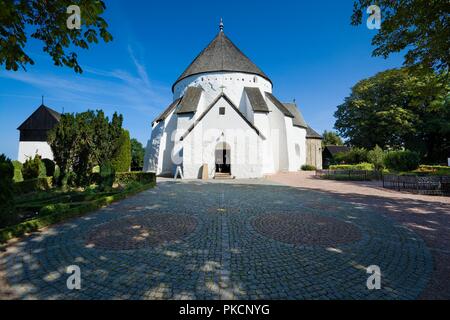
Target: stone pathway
{"x": 428, "y": 216}
{"x": 235, "y": 240}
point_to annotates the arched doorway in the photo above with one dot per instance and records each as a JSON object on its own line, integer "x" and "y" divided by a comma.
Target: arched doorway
{"x": 223, "y": 158}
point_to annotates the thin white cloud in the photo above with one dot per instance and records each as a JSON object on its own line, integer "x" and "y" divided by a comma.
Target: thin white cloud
{"x": 97, "y": 88}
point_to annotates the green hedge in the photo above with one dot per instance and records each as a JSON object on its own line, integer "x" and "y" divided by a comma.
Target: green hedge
{"x": 124, "y": 178}
{"x": 59, "y": 216}
{"x": 357, "y": 167}
{"x": 32, "y": 185}
{"x": 308, "y": 167}
{"x": 402, "y": 161}
{"x": 433, "y": 170}
{"x": 18, "y": 177}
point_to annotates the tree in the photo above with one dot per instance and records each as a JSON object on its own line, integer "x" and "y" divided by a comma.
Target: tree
{"x": 331, "y": 138}
{"x": 399, "y": 109}
{"x": 82, "y": 141}
{"x": 421, "y": 26}
{"x": 376, "y": 157}
{"x": 121, "y": 160}
{"x": 137, "y": 155}
{"x": 47, "y": 22}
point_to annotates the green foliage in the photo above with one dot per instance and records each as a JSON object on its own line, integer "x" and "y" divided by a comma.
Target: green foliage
{"x": 364, "y": 166}
{"x": 433, "y": 170}
{"x": 308, "y": 167}
{"x": 354, "y": 156}
{"x": 33, "y": 185}
{"x": 137, "y": 155}
{"x": 399, "y": 109}
{"x": 421, "y": 27}
{"x": 49, "y": 167}
{"x": 46, "y": 21}
{"x": 54, "y": 208}
{"x": 34, "y": 168}
{"x": 402, "y": 161}
{"x": 376, "y": 157}
{"x": 107, "y": 176}
{"x": 7, "y": 214}
{"x": 18, "y": 177}
{"x": 83, "y": 141}
{"x": 331, "y": 138}
{"x": 6, "y": 180}
{"x": 61, "y": 214}
{"x": 121, "y": 160}
{"x": 125, "y": 178}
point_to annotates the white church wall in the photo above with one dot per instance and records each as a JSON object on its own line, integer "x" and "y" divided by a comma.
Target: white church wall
{"x": 278, "y": 138}
{"x": 262, "y": 122}
{"x": 29, "y": 149}
{"x": 152, "y": 152}
{"x": 297, "y": 147}
{"x": 200, "y": 145}
{"x": 231, "y": 83}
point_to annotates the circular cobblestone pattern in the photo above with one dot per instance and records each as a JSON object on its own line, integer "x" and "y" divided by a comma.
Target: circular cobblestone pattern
{"x": 141, "y": 232}
{"x": 306, "y": 229}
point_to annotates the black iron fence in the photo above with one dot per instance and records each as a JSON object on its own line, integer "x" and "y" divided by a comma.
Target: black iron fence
{"x": 428, "y": 185}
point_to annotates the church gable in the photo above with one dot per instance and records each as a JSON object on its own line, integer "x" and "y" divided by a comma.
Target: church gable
{"x": 223, "y": 105}
{"x": 36, "y": 127}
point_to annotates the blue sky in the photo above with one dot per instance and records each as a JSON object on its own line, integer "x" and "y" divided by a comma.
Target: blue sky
{"x": 308, "y": 49}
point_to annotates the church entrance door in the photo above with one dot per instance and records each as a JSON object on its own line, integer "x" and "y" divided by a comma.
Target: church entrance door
{"x": 223, "y": 158}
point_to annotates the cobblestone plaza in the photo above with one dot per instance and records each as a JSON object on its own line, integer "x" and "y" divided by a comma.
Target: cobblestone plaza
{"x": 246, "y": 240}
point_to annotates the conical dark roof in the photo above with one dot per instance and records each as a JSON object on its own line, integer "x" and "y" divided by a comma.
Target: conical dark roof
{"x": 43, "y": 118}
{"x": 221, "y": 55}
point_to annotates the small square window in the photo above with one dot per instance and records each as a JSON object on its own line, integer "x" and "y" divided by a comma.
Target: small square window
{"x": 222, "y": 111}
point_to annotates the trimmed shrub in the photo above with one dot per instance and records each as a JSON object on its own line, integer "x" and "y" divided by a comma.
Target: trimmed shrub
{"x": 433, "y": 170}
{"x": 18, "y": 177}
{"x": 354, "y": 167}
{"x": 49, "y": 167}
{"x": 34, "y": 168}
{"x": 402, "y": 160}
{"x": 308, "y": 167}
{"x": 7, "y": 213}
{"x": 32, "y": 185}
{"x": 107, "y": 175}
{"x": 54, "y": 208}
{"x": 125, "y": 178}
{"x": 121, "y": 161}
{"x": 354, "y": 156}
{"x": 376, "y": 157}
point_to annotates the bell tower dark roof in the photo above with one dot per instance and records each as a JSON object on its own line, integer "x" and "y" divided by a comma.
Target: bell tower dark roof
{"x": 43, "y": 118}
{"x": 221, "y": 55}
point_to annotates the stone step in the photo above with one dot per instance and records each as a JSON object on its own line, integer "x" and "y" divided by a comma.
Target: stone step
{"x": 223, "y": 176}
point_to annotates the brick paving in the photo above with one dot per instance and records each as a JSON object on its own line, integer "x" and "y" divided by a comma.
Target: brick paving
{"x": 427, "y": 216}
{"x": 236, "y": 240}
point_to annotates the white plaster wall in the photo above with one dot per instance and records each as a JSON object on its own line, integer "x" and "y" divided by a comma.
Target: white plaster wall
{"x": 200, "y": 145}
{"x": 278, "y": 138}
{"x": 29, "y": 149}
{"x": 152, "y": 152}
{"x": 298, "y": 138}
{"x": 262, "y": 122}
{"x": 233, "y": 84}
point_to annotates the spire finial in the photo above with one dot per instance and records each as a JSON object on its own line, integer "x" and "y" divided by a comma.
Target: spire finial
{"x": 221, "y": 25}
{"x": 42, "y": 100}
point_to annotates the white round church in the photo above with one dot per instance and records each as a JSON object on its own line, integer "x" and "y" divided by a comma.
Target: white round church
{"x": 224, "y": 121}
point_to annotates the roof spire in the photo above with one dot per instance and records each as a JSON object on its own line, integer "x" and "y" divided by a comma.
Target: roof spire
{"x": 221, "y": 25}
{"x": 42, "y": 100}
